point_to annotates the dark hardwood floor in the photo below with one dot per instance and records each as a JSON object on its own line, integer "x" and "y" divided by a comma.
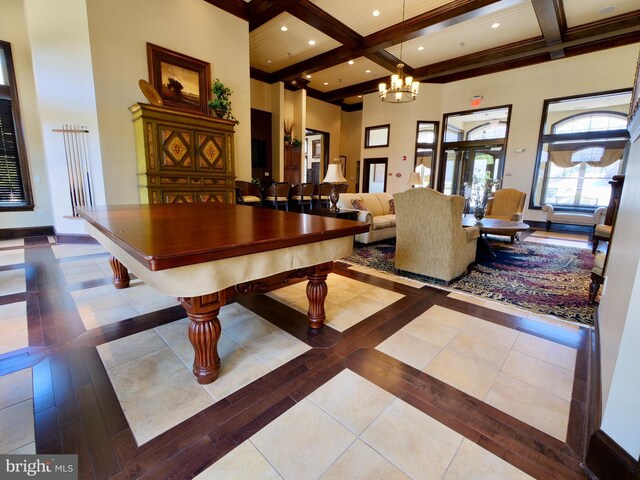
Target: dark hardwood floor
{"x": 76, "y": 409}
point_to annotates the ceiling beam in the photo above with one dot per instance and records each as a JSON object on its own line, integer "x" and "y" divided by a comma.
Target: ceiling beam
{"x": 239, "y": 8}
{"x": 547, "y": 12}
{"x": 434, "y": 20}
{"x": 609, "y": 33}
{"x": 388, "y": 61}
{"x": 437, "y": 19}
{"x": 261, "y": 11}
{"x": 312, "y": 15}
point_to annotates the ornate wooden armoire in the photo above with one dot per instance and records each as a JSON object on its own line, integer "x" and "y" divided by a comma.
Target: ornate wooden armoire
{"x": 183, "y": 157}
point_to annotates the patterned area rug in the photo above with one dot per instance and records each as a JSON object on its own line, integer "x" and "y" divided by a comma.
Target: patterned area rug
{"x": 545, "y": 279}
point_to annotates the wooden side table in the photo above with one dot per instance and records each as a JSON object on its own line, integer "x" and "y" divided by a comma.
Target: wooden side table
{"x": 343, "y": 213}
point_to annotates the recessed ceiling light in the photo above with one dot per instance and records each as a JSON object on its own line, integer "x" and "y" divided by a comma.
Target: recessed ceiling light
{"x": 495, "y": 25}
{"x": 326, "y": 83}
{"x": 359, "y": 96}
{"x": 376, "y": 13}
{"x": 420, "y": 48}
{"x": 268, "y": 62}
{"x": 312, "y": 42}
{"x": 351, "y": 62}
{"x": 308, "y": 76}
{"x": 605, "y": 10}
{"x": 367, "y": 71}
{"x": 284, "y": 28}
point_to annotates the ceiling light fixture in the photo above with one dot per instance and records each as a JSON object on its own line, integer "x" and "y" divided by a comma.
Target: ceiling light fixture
{"x": 420, "y": 48}
{"x": 367, "y": 71}
{"x": 351, "y": 62}
{"x": 284, "y": 28}
{"x": 308, "y": 76}
{"x": 376, "y": 13}
{"x": 495, "y": 25}
{"x": 402, "y": 89}
{"x": 312, "y": 42}
{"x": 326, "y": 83}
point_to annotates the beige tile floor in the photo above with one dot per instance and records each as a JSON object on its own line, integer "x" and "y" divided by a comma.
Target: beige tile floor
{"x": 525, "y": 376}
{"x": 382, "y": 437}
{"x": 85, "y": 270}
{"x": 348, "y": 301}
{"x": 100, "y": 306}
{"x": 16, "y": 413}
{"x": 575, "y": 240}
{"x": 13, "y": 325}
{"x": 75, "y": 250}
{"x": 151, "y": 371}
{"x": 11, "y": 257}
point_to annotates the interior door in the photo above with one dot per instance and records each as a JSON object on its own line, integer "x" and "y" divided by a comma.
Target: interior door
{"x": 374, "y": 175}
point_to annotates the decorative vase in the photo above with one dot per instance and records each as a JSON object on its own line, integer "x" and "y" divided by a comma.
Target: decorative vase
{"x": 219, "y": 112}
{"x": 478, "y": 212}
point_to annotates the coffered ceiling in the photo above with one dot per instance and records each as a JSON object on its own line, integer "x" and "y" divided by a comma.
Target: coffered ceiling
{"x": 339, "y": 49}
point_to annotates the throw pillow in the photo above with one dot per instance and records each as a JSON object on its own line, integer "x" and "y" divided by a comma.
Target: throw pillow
{"x": 392, "y": 206}
{"x": 358, "y": 204}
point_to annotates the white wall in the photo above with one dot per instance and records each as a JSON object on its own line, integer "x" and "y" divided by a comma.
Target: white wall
{"x": 13, "y": 29}
{"x": 65, "y": 89}
{"x": 403, "y": 118}
{"x": 119, "y": 31}
{"x": 619, "y": 315}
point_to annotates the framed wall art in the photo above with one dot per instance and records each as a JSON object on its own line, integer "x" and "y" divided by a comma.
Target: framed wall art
{"x": 315, "y": 148}
{"x": 183, "y": 82}
{"x": 343, "y": 165}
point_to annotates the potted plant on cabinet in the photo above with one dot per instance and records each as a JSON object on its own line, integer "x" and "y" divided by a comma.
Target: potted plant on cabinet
{"x": 221, "y": 101}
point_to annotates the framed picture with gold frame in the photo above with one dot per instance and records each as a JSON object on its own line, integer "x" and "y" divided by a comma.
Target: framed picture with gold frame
{"x": 183, "y": 82}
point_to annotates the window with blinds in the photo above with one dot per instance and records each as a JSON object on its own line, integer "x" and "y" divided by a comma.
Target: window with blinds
{"x": 15, "y": 193}
{"x": 11, "y": 188}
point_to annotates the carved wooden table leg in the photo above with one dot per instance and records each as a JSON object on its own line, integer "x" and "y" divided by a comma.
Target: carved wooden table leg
{"x": 120, "y": 273}
{"x": 204, "y": 333}
{"x": 317, "y": 292}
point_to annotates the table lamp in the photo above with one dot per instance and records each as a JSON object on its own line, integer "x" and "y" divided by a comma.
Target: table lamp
{"x": 334, "y": 176}
{"x": 415, "y": 180}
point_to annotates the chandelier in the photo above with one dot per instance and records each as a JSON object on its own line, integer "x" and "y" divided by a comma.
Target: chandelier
{"x": 401, "y": 89}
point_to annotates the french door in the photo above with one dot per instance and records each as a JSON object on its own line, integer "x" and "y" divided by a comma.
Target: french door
{"x": 463, "y": 165}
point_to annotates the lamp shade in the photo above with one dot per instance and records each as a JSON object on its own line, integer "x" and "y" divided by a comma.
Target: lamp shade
{"x": 334, "y": 174}
{"x": 415, "y": 180}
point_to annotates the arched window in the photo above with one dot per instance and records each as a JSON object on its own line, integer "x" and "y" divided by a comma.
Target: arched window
{"x": 493, "y": 129}
{"x": 591, "y": 122}
{"x": 580, "y": 153}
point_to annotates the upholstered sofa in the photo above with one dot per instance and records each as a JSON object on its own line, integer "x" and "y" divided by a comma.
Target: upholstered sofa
{"x": 377, "y": 213}
{"x": 430, "y": 237}
{"x": 574, "y": 218}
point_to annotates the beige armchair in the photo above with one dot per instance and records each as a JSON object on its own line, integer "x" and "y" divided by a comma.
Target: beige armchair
{"x": 430, "y": 239}
{"x": 506, "y": 204}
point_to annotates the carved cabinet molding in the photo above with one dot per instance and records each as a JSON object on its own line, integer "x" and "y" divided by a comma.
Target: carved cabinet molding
{"x": 183, "y": 157}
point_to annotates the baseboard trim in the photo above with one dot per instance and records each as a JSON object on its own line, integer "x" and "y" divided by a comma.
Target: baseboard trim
{"x": 606, "y": 460}
{"x": 22, "y": 232}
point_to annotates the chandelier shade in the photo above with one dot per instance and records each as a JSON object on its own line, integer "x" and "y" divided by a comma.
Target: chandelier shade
{"x": 401, "y": 89}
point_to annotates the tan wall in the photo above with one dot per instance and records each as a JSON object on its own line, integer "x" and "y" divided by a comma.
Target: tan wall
{"x": 350, "y": 143}
{"x": 402, "y": 119}
{"x": 119, "y": 30}
{"x": 326, "y": 118}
